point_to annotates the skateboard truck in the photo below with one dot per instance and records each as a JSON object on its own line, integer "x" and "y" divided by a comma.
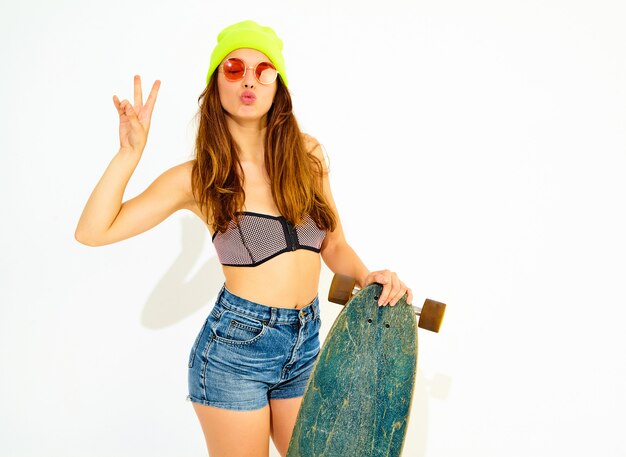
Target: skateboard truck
{"x": 343, "y": 288}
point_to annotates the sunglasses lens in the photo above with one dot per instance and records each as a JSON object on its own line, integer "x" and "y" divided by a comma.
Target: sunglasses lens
{"x": 266, "y": 73}
{"x": 234, "y": 69}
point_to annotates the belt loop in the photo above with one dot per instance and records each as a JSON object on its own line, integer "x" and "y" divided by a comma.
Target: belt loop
{"x": 220, "y": 293}
{"x": 273, "y": 313}
{"x": 316, "y": 308}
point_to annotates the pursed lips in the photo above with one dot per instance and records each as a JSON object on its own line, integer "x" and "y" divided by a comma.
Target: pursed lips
{"x": 248, "y": 97}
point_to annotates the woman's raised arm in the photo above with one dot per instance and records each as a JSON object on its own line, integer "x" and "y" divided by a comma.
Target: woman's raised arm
{"x": 105, "y": 219}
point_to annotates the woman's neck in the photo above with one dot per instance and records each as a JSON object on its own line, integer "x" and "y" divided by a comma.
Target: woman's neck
{"x": 249, "y": 136}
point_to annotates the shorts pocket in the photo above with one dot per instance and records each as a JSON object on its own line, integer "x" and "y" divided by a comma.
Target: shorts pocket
{"x": 236, "y": 328}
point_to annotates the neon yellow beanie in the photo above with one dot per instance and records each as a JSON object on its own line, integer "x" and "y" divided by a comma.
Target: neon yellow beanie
{"x": 248, "y": 34}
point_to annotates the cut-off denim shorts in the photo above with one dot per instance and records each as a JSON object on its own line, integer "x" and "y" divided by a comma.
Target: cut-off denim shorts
{"x": 247, "y": 353}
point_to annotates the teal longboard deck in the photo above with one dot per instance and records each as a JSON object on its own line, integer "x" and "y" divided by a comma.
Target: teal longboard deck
{"x": 358, "y": 398}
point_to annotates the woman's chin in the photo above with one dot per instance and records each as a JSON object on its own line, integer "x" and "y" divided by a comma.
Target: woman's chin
{"x": 247, "y": 115}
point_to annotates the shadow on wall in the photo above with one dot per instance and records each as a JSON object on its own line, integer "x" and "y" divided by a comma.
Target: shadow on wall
{"x": 177, "y": 295}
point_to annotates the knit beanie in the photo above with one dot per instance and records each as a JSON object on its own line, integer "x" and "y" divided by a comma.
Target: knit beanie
{"x": 248, "y": 34}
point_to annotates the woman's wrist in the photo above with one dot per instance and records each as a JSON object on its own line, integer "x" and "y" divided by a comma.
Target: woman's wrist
{"x": 361, "y": 280}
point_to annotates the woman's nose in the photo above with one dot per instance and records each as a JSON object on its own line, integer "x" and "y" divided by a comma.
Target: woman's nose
{"x": 248, "y": 79}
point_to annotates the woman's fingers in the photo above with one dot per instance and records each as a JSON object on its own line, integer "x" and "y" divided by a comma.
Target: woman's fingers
{"x": 153, "y": 94}
{"x": 132, "y": 133}
{"x": 389, "y": 281}
{"x": 399, "y": 293}
{"x": 409, "y": 296}
{"x": 138, "y": 94}
{"x": 135, "y": 118}
{"x": 129, "y": 111}
{"x": 393, "y": 289}
{"x": 146, "y": 113}
{"x": 122, "y": 106}
{"x": 116, "y": 102}
{"x": 383, "y": 278}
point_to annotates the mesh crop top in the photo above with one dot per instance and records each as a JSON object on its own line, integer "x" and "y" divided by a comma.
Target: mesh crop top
{"x": 260, "y": 237}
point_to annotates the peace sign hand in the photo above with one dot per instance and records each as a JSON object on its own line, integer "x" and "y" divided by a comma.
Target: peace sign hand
{"x": 135, "y": 120}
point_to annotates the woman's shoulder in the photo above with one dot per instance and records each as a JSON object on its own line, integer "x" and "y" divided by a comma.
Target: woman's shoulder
{"x": 314, "y": 147}
{"x": 181, "y": 173}
{"x": 178, "y": 178}
{"x": 310, "y": 142}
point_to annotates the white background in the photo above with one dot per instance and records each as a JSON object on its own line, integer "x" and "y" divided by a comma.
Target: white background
{"x": 476, "y": 148}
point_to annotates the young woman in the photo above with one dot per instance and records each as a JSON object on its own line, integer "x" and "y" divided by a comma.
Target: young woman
{"x": 261, "y": 187}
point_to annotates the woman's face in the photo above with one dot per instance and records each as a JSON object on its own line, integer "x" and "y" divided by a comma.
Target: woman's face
{"x": 246, "y": 99}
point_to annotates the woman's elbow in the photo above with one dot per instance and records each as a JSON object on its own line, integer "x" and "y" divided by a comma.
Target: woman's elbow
{"x": 84, "y": 238}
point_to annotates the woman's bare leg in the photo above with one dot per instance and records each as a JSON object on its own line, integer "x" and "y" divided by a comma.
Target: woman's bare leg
{"x": 235, "y": 433}
{"x": 283, "y": 420}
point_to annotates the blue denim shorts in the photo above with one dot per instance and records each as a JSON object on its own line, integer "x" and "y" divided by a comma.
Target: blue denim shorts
{"x": 247, "y": 353}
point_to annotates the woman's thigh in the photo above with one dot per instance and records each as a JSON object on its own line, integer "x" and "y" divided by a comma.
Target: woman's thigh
{"x": 284, "y": 413}
{"x": 230, "y": 433}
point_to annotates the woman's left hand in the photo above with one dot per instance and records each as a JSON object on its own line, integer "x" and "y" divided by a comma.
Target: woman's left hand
{"x": 393, "y": 288}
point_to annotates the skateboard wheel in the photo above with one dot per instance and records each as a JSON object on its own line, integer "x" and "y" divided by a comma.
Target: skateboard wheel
{"x": 431, "y": 315}
{"x": 341, "y": 289}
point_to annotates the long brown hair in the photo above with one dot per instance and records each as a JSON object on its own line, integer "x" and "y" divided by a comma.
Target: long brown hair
{"x": 296, "y": 175}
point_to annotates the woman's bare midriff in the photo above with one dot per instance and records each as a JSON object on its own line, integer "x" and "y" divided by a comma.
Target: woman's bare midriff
{"x": 289, "y": 280}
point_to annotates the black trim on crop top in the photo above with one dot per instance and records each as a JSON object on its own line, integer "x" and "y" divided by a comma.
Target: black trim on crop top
{"x": 260, "y": 237}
